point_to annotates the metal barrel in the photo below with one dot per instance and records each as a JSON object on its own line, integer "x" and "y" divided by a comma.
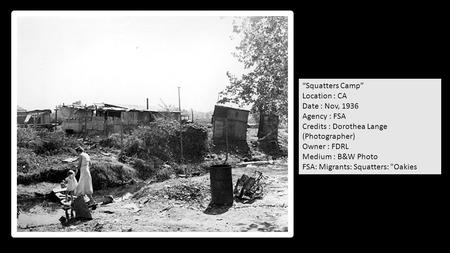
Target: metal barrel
{"x": 221, "y": 184}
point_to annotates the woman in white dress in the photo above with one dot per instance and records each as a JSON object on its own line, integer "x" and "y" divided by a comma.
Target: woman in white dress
{"x": 84, "y": 186}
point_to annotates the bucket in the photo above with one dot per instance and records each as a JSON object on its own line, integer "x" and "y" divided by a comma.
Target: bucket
{"x": 221, "y": 184}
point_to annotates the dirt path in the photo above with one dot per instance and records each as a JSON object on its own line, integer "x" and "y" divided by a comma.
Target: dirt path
{"x": 152, "y": 208}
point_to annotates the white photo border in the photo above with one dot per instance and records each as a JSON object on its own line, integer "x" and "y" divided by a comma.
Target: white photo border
{"x": 288, "y": 234}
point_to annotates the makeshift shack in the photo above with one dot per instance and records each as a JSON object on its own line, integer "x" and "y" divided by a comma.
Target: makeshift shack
{"x": 232, "y": 120}
{"x": 21, "y": 115}
{"x": 268, "y": 127}
{"x": 167, "y": 115}
{"x": 108, "y": 118}
{"x": 65, "y": 112}
{"x": 35, "y": 118}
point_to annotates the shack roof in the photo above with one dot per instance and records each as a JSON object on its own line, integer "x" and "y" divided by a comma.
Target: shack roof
{"x": 230, "y": 107}
{"x": 127, "y": 107}
{"x": 40, "y": 111}
{"x": 105, "y": 105}
{"x": 75, "y": 106}
{"x": 119, "y": 107}
{"x": 20, "y": 109}
{"x": 221, "y": 111}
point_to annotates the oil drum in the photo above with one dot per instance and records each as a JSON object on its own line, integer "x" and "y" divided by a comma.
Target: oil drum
{"x": 221, "y": 184}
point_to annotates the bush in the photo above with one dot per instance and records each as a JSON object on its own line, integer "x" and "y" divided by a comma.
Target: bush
{"x": 149, "y": 147}
{"x": 25, "y": 136}
{"x": 154, "y": 140}
{"x": 44, "y": 142}
{"x": 195, "y": 141}
{"x": 113, "y": 141}
{"x": 163, "y": 174}
{"x": 49, "y": 143}
{"x": 133, "y": 147}
{"x": 145, "y": 169}
{"x": 32, "y": 168}
{"x": 110, "y": 173}
{"x": 179, "y": 168}
{"x": 161, "y": 139}
{"x": 27, "y": 160}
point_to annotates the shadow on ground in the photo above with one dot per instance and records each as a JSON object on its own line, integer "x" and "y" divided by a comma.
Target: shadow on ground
{"x": 214, "y": 209}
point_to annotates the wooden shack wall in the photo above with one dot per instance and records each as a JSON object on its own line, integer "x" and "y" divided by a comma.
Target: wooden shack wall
{"x": 130, "y": 118}
{"x": 218, "y": 128}
{"x": 95, "y": 123}
{"x": 45, "y": 118}
{"x": 126, "y": 121}
{"x": 72, "y": 124}
{"x": 238, "y": 115}
{"x": 268, "y": 126}
{"x": 237, "y": 123}
{"x": 144, "y": 117}
{"x": 65, "y": 113}
{"x": 21, "y": 116}
{"x": 237, "y": 130}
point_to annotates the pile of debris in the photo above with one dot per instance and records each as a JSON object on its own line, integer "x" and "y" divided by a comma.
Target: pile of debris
{"x": 187, "y": 191}
{"x": 249, "y": 188}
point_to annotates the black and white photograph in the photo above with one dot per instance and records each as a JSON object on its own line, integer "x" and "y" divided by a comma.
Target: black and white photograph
{"x": 152, "y": 124}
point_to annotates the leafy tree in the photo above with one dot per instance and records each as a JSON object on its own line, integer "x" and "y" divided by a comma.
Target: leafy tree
{"x": 263, "y": 49}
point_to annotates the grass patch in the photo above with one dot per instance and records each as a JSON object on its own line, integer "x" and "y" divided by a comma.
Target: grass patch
{"x": 45, "y": 142}
{"x": 112, "y": 141}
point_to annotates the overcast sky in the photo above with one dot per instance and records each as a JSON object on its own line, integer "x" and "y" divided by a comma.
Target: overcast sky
{"x": 123, "y": 60}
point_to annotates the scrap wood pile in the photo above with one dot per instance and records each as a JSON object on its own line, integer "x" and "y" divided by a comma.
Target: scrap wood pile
{"x": 249, "y": 188}
{"x": 186, "y": 191}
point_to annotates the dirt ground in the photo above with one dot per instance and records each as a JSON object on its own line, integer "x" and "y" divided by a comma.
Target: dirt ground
{"x": 175, "y": 205}
{"x": 149, "y": 207}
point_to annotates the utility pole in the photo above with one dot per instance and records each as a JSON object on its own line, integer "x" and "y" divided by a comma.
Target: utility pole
{"x": 56, "y": 118}
{"x": 121, "y": 131}
{"x": 181, "y": 137}
{"x": 85, "y": 122}
{"x": 226, "y": 140}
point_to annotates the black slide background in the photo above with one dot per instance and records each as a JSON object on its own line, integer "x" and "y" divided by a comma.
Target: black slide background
{"x": 352, "y": 40}
{"x": 378, "y": 41}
